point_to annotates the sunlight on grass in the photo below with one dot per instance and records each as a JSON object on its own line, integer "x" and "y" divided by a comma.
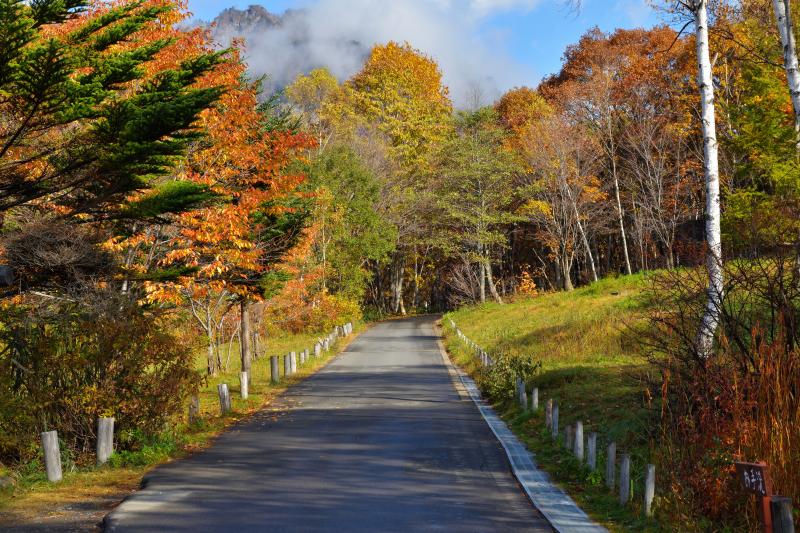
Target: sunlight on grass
{"x": 590, "y": 365}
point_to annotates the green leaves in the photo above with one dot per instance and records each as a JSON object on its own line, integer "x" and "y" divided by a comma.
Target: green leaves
{"x": 171, "y": 197}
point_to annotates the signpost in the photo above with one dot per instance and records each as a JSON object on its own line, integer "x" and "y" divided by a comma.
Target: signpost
{"x": 755, "y": 480}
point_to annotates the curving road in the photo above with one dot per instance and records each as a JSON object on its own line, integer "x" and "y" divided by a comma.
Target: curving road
{"x": 379, "y": 440}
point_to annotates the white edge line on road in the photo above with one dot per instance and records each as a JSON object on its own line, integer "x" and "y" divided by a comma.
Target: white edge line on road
{"x": 556, "y": 506}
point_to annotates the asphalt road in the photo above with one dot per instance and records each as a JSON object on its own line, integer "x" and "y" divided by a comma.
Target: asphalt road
{"x": 379, "y": 440}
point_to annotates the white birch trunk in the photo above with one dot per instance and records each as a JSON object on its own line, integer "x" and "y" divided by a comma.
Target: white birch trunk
{"x": 490, "y": 280}
{"x": 783, "y": 16}
{"x": 621, "y": 222}
{"x": 620, "y": 214}
{"x": 582, "y": 233}
{"x": 710, "y": 322}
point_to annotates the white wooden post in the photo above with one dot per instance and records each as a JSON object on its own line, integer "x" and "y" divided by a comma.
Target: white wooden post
{"x": 782, "y": 516}
{"x": 591, "y": 451}
{"x": 52, "y": 455}
{"x": 611, "y": 464}
{"x": 649, "y": 489}
{"x": 548, "y": 414}
{"x": 317, "y": 349}
{"x": 535, "y": 399}
{"x": 578, "y": 445}
{"x": 287, "y": 365}
{"x": 274, "y": 370}
{"x": 625, "y": 479}
{"x": 224, "y": 398}
{"x": 105, "y": 439}
{"x": 522, "y": 397}
{"x": 293, "y": 361}
{"x": 554, "y": 421}
{"x": 243, "y": 385}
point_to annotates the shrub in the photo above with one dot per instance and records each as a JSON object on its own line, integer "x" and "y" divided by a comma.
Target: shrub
{"x": 66, "y": 362}
{"x": 499, "y": 381}
{"x": 743, "y": 403}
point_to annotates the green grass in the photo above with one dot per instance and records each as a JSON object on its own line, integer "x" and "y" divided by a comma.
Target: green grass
{"x": 591, "y": 366}
{"x": 32, "y": 495}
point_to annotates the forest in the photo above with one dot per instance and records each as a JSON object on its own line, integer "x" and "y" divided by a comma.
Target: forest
{"x": 156, "y": 203}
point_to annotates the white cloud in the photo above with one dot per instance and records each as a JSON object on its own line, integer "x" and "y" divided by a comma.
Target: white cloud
{"x": 337, "y": 33}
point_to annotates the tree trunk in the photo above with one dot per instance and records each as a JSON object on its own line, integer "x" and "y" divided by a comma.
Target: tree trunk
{"x": 710, "y": 321}
{"x": 583, "y": 234}
{"x": 247, "y": 356}
{"x": 566, "y": 275}
{"x": 211, "y": 357}
{"x": 490, "y": 282}
{"x": 783, "y": 16}
{"x": 397, "y": 271}
{"x": 417, "y": 270}
{"x": 481, "y": 281}
{"x": 621, "y": 220}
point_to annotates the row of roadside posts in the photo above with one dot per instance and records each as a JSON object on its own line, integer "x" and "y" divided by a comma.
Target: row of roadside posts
{"x": 105, "y": 425}
{"x": 774, "y": 511}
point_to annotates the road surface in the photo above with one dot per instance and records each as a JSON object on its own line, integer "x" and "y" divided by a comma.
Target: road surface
{"x": 379, "y": 440}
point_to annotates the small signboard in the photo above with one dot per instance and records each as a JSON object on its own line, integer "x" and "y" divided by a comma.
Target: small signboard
{"x": 755, "y": 480}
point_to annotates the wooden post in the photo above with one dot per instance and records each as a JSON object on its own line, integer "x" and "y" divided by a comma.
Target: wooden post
{"x": 105, "y": 439}
{"x": 274, "y": 370}
{"x": 303, "y": 357}
{"x": 326, "y": 345}
{"x": 293, "y": 361}
{"x": 625, "y": 479}
{"x": 649, "y": 489}
{"x": 782, "y": 518}
{"x": 522, "y": 396}
{"x": 52, "y": 455}
{"x": 243, "y": 385}
{"x": 224, "y": 398}
{"x": 611, "y": 464}
{"x": 535, "y": 399}
{"x": 317, "y": 349}
{"x": 554, "y": 421}
{"x": 578, "y": 444}
{"x": 591, "y": 452}
{"x": 568, "y": 436}
{"x": 287, "y": 365}
{"x": 194, "y": 409}
{"x": 548, "y": 414}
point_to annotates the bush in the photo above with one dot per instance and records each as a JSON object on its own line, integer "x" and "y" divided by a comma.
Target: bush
{"x": 499, "y": 380}
{"x": 743, "y": 403}
{"x": 67, "y": 362}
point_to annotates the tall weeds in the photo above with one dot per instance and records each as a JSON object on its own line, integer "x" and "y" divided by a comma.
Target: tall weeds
{"x": 741, "y": 404}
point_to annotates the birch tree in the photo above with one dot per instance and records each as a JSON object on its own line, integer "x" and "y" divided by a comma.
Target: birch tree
{"x": 783, "y": 18}
{"x": 710, "y": 321}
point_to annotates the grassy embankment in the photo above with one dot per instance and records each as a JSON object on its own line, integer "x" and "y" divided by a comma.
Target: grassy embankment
{"x": 595, "y": 370}
{"x": 32, "y": 496}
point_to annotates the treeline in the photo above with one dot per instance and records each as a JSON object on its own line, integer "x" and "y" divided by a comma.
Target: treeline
{"x": 599, "y": 170}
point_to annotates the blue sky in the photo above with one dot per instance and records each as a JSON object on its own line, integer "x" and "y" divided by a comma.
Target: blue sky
{"x": 526, "y": 36}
